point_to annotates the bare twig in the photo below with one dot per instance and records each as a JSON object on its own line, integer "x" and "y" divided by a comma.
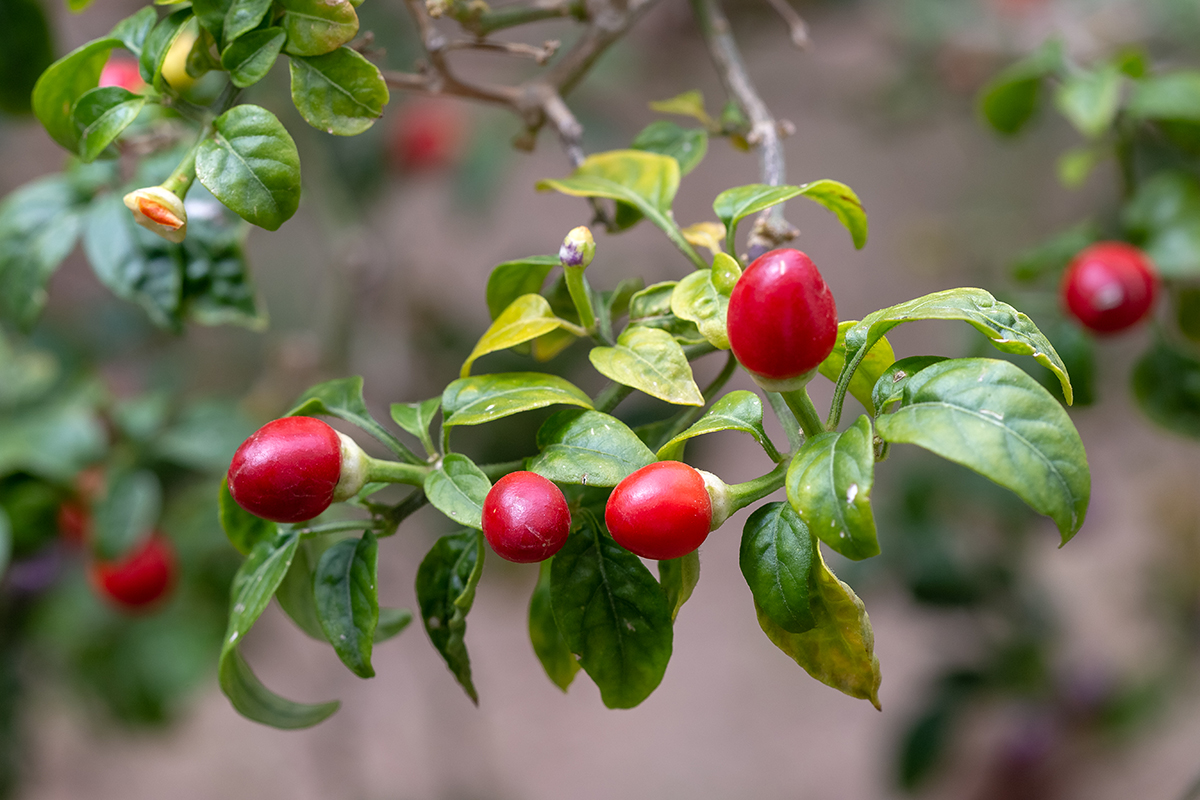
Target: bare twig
{"x": 481, "y": 21}
{"x": 770, "y": 229}
{"x": 539, "y": 54}
{"x": 797, "y": 27}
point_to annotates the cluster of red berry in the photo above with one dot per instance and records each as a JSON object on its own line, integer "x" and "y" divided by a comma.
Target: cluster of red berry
{"x": 782, "y": 324}
{"x": 141, "y": 578}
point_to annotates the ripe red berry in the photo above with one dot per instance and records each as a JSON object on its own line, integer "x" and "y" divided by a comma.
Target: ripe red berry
{"x": 288, "y": 470}
{"x": 123, "y": 72}
{"x": 525, "y": 518}
{"x": 1109, "y": 286}
{"x": 427, "y": 135}
{"x": 662, "y": 511}
{"x": 782, "y": 320}
{"x": 139, "y": 579}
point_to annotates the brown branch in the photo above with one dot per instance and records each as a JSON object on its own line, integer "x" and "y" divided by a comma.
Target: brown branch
{"x": 539, "y": 54}
{"x": 797, "y": 27}
{"x": 770, "y": 228}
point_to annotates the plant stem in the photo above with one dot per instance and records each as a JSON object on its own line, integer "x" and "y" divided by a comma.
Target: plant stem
{"x": 743, "y": 494}
{"x": 787, "y": 420}
{"x": 610, "y": 396}
{"x": 581, "y": 297}
{"x": 483, "y": 23}
{"x": 181, "y": 178}
{"x": 689, "y": 416}
{"x": 801, "y": 405}
{"x": 339, "y": 526}
{"x": 382, "y": 471}
{"x": 843, "y": 384}
{"x": 496, "y": 471}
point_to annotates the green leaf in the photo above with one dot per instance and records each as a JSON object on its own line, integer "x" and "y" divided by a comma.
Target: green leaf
{"x": 242, "y": 17}
{"x": 26, "y": 50}
{"x": 211, "y": 16}
{"x": 156, "y": 46}
{"x": 296, "y": 596}
{"x": 548, "y": 644}
{"x": 651, "y": 308}
{"x": 651, "y": 360}
{"x": 446, "y": 582}
{"x": 252, "y": 589}
{"x": 588, "y": 448}
{"x": 512, "y": 279}
{"x": 1166, "y": 383}
{"x": 829, "y": 484}
{"x": 877, "y": 360}
{"x": 484, "y": 398}
{"x": 992, "y": 417}
{"x": 340, "y": 92}
{"x": 243, "y": 529}
{"x": 1051, "y": 257}
{"x": 1010, "y": 99}
{"x": 416, "y": 419}
{"x": 890, "y": 386}
{"x": 1009, "y": 330}
{"x": 697, "y": 300}
{"x": 737, "y": 411}
{"x": 348, "y": 601}
{"x": 6, "y": 542}
{"x": 127, "y": 515}
{"x": 343, "y": 398}
{"x": 458, "y": 488}
{"x": 839, "y": 650}
{"x": 776, "y": 558}
{"x": 63, "y": 83}
{"x": 1174, "y": 96}
{"x": 678, "y": 578}
{"x": 53, "y": 439}
{"x": 391, "y": 622}
{"x": 1090, "y": 99}
{"x": 250, "y": 58}
{"x": 39, "y": 225}
{"x": 252, "y": 166}
{"x": 101, "y": 115}
{"x": 613, "y": 615}
{"x": 688, "y": 104}
{"x": 316, "y": 27}
{"x": 1075, "y": 165}
{"x": 1164, "y": 217}
{"x": 526, "y": 318}
{"x": 687, "y": 146}
{"x": 734, "y": 205}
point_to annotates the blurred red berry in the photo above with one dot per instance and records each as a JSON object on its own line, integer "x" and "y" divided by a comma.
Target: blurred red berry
{"x": 141, "y": 578}
{"x": 122, "y": 71}
{"x": 427, "y": 135}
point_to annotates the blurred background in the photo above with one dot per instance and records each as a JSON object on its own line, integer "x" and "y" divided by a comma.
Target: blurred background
{"x": 1011, "y": 668}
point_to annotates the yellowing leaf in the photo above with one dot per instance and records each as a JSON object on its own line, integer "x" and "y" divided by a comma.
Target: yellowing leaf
{"x": 526, "y": 318}
{"x": 706, "y": 234}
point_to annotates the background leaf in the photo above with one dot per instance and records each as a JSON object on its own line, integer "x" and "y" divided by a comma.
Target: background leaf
{"x": 1166, "y": 383}
{"x": 128, "y": 513}
{"x": 101, "y": 115}
{"x": 250, "y": 58}
{"x": 316, "y": 27}
{"x": 612, "y": 614}
{"x": 26, "y": 50}
{"x": 548, "y": 644}
{"x": 63, "y": 83}
{"x": 687, "y": 146}
{"x": 1010, "y": 99}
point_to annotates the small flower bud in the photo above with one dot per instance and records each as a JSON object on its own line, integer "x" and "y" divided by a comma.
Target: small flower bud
{"x": 578, "y": 248}
{"x": 158, "y": 210}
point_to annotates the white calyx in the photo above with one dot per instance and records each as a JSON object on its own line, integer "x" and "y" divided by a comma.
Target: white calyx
{"x": 718, "y": 494}
{"x": 354, "y": 470}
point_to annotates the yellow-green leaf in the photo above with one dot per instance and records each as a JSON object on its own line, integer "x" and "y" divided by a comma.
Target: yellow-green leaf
{"x": 651, "y": 360}
{"x": 526, "y": 318}
{"x": 878, "y": 359}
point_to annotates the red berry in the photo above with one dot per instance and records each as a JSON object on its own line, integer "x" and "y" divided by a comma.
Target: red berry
{"x": 287, "y": 470}
{"x": 525, "y": 518}
{"x": 74, "y": 522}
{"x": 428, "y": 135}
{"x": 123, "y": 72}
{"x": 782, "y": 320}
{"x": 1109, "y": 286}
{"x": 141, "y": 578}
{"x": 661, "y": 511}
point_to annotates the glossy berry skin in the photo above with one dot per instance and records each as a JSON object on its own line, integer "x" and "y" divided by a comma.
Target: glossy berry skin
{"x": 525, "y": 518}
{"x": 287, "y": 470}
{"x": 1109, "y": 286}
{"x": 141, "y": 578}
{"x": 662, "y": 511}
{"x": 782, "y": 320}
{"x": 122, "y": 72}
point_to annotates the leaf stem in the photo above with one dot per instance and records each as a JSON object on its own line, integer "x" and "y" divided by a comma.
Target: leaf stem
{"x": 787, "y": 420}
{"x": 839, "y": 390}
{"x": 498, "y": 470}
{"x": 581, "y": 297}
{"x": 382, "y": 471}
{"x": 610, "y": 396}
{"x": 802, "y": 406}
{"x": 743, "y": 494}
{"x": 689, "y": 416}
